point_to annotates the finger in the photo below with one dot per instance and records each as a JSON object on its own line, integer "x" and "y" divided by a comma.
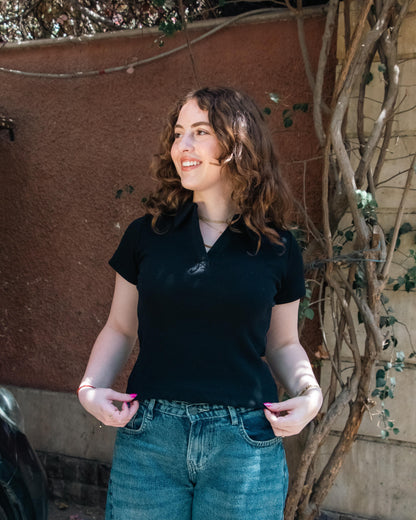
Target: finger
{"x": 129, "y": 413}
{"x": 118, "y": 396}
{"x": 123, "y": 416}
{"x": 280, "y": 407}
{"x": 283, "y": 426}
{"x": 126, "y": 411}
{"x": 271, "y": 417}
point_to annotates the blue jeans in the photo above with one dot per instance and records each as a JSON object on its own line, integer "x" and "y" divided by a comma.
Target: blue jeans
{"x": 181, "y": 461}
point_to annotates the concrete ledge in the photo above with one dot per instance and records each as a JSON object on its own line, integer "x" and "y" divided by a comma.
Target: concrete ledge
{"x": 333, "y": 515}
{"x": 55, "y": 422}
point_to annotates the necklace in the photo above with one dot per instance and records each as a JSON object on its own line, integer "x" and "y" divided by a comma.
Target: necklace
{"x": 205, "y": 219}
{"x": 219, "y": 231}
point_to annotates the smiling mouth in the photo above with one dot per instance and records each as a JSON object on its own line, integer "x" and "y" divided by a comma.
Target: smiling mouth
{"x": 188, "y": 164}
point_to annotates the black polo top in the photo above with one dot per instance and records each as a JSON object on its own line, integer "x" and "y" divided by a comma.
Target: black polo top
{"x": 203, "y": 317}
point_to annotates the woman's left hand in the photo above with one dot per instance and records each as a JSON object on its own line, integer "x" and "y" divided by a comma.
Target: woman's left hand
{"x": 291, "y": 416}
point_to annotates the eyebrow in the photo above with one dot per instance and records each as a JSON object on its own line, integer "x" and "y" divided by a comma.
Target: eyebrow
{"x": 195, "y": 124}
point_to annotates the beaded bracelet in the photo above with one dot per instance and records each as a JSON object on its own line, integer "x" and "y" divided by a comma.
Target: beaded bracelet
{"x": 84, "y": 386}
{"x": 307, "y": 388}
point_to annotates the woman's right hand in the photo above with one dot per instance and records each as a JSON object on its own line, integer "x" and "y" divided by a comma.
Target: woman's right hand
{"x": 99, "y": 402}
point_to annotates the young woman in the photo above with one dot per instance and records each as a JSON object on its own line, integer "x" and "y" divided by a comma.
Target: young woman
{"x": 211, "y": 279}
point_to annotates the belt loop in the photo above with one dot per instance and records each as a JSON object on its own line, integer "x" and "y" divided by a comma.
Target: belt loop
{"x": 233, "y": 415}
{"x": 150, "y": 407}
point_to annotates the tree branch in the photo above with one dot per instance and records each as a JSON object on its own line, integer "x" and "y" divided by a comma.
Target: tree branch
{"x": 352, "y": 50}
{"x": 318, "y": 103}
{"x": 392, "y": 88}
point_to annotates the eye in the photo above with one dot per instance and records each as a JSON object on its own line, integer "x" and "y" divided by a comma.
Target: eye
{"x": 202, "y": 132}
{"x": 177, "y": 135}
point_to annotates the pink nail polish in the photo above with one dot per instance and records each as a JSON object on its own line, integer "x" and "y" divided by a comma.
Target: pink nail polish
{"x": 267, "y": 404}
{"x": 133, "y": 396}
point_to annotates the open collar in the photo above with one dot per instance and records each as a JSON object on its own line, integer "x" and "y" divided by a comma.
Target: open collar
{"x": 188, "y": 208}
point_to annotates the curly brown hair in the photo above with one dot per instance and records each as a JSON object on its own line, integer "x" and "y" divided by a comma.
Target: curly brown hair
{"x": 248, "y": 159}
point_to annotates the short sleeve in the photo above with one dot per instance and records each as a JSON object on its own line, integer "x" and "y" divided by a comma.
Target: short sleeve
{"x": 125, "y": 260}
{"x": 292, "y": 286}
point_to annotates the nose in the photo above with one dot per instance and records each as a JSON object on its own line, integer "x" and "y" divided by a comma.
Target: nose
{"x": 186, "y": 142}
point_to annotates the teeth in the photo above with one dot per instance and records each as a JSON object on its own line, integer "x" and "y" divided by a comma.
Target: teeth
{"x": 190, "y": 163}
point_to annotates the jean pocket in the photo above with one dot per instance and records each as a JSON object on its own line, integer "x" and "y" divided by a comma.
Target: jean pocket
{"x": 137, "y": 423}
{"x": 256, "y": 430}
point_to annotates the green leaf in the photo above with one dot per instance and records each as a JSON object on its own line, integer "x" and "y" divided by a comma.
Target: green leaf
{"x": 349, "y": 235}
{"x": 118, "y": 193}
{"x": 302, "y": 107}
{"x": 309, "y": 313}
{"x": 384, "y": 434}
{"x": 409, "y": 285}
{"x": 368, "y": 78}
{"x": 390, "y": 424}
{"x": 375, "y": 392}
{"x": 287, "y": 122}
{"x": 382, "y": 67}
{"x": 274, "y": 97}
{"x": 400, "y": 356}
{"x": 380, "y": 382}
{"x": 396, "y": 431}
{"x": 267, "y": 111}
{"x": 380, "y": 374}
{"x": 285, "y": 112}
{"x": 386, "y": 413}
{"x": 406, "y": 227}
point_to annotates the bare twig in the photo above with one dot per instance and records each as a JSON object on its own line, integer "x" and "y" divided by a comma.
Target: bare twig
{"x": 303, "y": 47}
{"x": 188, "y": 42}
{"x": 391, "y": 178}
{"x": 325, "y": 198}
{"x": 347, "y": 24}
{"x": 383, "y": 151}
{"x": 399, "y": 217}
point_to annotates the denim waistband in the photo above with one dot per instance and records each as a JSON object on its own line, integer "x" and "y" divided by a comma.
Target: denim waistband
{"x": 196, "y": 411}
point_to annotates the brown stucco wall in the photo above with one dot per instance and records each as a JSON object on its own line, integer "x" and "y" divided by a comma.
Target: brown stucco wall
{"x": 79, "y": 141}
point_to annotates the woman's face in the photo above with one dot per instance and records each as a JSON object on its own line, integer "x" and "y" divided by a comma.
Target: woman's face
{"x": 195, "y": 151}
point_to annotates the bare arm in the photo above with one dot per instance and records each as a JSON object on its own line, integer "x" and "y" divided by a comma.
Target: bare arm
{"x": 108, "y": 356}
{"x": 291, "y": 367}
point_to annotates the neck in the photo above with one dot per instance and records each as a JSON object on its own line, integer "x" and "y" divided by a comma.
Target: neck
{"x": 220, "y": 209}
